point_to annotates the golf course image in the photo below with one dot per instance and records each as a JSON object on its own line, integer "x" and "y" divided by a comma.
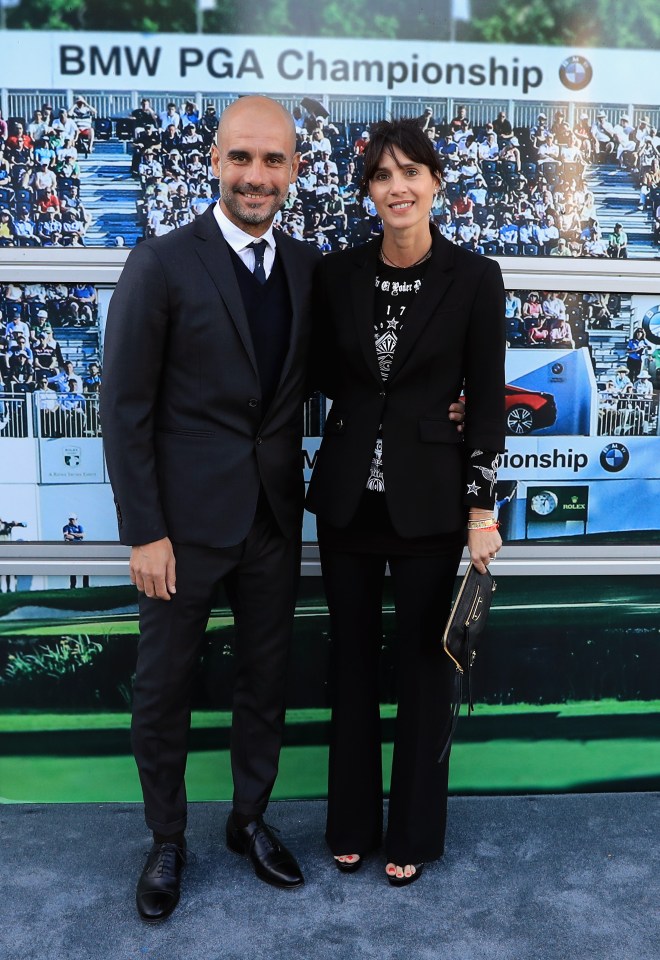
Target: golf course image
{"x": 566, "y": 686}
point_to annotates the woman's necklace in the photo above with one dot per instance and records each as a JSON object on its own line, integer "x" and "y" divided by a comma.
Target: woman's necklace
{"x": 386, "y": 260}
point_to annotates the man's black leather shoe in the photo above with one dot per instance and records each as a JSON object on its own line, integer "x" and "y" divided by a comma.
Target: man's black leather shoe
{"x": 157, "y": 891}
{"x": 271, "y": 860}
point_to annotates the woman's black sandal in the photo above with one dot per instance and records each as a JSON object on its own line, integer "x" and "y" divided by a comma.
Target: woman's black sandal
{"x": 404, "y": 881}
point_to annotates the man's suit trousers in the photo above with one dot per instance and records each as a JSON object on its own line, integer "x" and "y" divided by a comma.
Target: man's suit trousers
{"x": 260, "y": 576}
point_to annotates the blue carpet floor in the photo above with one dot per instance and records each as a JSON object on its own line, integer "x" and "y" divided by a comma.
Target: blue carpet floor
{"x": 523, "y": 878}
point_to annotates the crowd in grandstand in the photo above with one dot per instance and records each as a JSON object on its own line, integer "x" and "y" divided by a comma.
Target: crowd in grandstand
{"x": 40, "y": 204}
{"x": 37, "y": 325}
{"x": 507, "y": 191}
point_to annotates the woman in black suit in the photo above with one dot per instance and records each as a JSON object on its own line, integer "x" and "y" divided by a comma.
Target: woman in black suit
{"x": 403, "y": 325}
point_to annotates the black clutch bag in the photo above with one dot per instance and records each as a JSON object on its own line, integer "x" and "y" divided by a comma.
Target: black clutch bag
{"x": 460, "y": 639}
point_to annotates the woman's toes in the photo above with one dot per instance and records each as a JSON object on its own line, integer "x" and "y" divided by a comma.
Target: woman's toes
{"x": 390, "y": 870}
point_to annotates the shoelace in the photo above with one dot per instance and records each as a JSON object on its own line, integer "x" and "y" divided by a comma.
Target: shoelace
{"x": 166, "y": 862}
{"x": 266, "y": 835}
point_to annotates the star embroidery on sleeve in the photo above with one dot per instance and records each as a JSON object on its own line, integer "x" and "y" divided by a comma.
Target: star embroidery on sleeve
{"x": 473, "y": 488}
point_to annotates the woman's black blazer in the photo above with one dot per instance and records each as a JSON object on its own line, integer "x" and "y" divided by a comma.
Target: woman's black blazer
{"x": 452, "y": 342}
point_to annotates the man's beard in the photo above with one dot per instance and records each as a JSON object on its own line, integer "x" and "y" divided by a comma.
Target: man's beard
{"x": 233, "y": 204}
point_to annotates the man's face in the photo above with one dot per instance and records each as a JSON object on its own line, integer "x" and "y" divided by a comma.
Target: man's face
{"x": 255, "y": 161}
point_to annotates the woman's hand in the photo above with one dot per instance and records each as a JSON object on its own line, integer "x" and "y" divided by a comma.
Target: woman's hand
{"x": 483, "y": 546}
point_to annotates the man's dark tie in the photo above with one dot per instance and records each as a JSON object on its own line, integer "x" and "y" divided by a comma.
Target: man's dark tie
{"x": 259, "y": 247}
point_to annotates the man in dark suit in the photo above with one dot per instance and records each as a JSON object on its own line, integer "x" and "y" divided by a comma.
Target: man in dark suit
{"x": 204, "y": 370}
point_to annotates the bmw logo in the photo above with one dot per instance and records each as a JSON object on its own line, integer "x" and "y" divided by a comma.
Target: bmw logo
{"x": 651, "y": 324}
{"x": 557, "y": 368}
{"x": 614, "y": 457}
{"x": 576, "y": 72}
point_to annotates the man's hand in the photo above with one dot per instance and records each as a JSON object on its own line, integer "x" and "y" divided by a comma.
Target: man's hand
{"x": 153, "y": 569}
{"x": 457, "y": 414}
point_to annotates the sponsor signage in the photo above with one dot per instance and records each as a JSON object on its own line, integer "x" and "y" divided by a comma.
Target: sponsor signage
{"x": 71, "y": 461}
{"x": 584, "y": 458}
{"x": 240, "y": 64}
{"x": 557, "y": 504}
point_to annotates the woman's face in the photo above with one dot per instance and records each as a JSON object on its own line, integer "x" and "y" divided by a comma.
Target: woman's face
{"x": 402, "y": 190}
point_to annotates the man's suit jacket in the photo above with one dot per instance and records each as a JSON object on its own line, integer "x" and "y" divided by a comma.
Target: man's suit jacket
{"x": 187, "y": 443}
{"x": 453, "y": 335}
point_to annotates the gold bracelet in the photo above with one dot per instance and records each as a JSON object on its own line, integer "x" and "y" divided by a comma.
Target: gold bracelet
{"x": 488, "y": 523}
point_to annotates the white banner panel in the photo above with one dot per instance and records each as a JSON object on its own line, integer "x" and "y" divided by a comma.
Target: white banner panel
{"x": 244, "y": 64}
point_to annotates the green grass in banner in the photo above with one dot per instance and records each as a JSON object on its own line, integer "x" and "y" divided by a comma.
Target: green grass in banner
{"x": 509, "y": 765}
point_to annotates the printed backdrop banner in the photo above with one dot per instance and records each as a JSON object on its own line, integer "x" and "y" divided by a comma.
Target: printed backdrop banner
{"x": 244, "y": 64}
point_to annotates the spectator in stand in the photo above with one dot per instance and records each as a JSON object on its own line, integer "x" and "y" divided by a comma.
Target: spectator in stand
{"x": 73, "y": 202}
{"x": 562, "y": 249}
{"x": 37, "y": 128}
{"x": 4, "y": 132}
{"x": 510, "y": 152}
{"x": 595, "y": 245}
{"x": 49, "y": 228}
{"x": 539, "y": 130}
{"x": 587, "y": 212}
{"x": 25, "y": 230}
{"x": 44, "y": 153}
{"x": 83, "y": 115}
{"x": 149, "y": 167}
{"x": 636, "y": 348}
{"x": 21, "y": 162}
{"x": 6, "y": 229}
{"x": 21, "y": 373}
{"x": 189, "y": 114}
{"x": 73, "y": 229}
{"x": 67, "y": 167}
{"x": 548, "y": 150}
{"x": 642, "y": 131}
{"x": 468, "y": 230}
{"x": 447, "y": 227}
{"x": 618, "y": 243}
{"x": 509, "y": 230}
{"x": 20, "y": 346}
{"x": 17, "y": 133}
{"x": 84, "y": 294}
{"x": 145, "y": 139}
{"x": 145, "y": 114}
{"x": 461, "y": 207}
{"x": 457, "y": 122}
{"x": 47, "y": 353}
{"x": 625, "y": 142}
{"x": 602, "y": 134}
{"x": 361, "y": 142}
{"x": 64, "y": 128}
{"x": 321, "y": 143}
{"x": 170, "y": 115}
{"x": 560, "y": 334}
{"x": 43, "y": 181}
{"x": 502, "y": 127}
{"x": 208, "y": 124}
{"x": 49, "y": 201}
{"x": 512, "y": 306}
{"x": 191, "y": 139}
{"x": 582, "y": 133}
{"x": 46, "y": 403}
{"x": 92, "y": 382}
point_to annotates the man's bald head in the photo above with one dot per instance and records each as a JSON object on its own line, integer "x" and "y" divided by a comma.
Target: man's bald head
{"x": 255, "y": 160}
{"x": 258, "y": 110}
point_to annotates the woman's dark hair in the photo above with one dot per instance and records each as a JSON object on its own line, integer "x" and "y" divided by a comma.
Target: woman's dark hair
{"x": 408, "y": 137}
